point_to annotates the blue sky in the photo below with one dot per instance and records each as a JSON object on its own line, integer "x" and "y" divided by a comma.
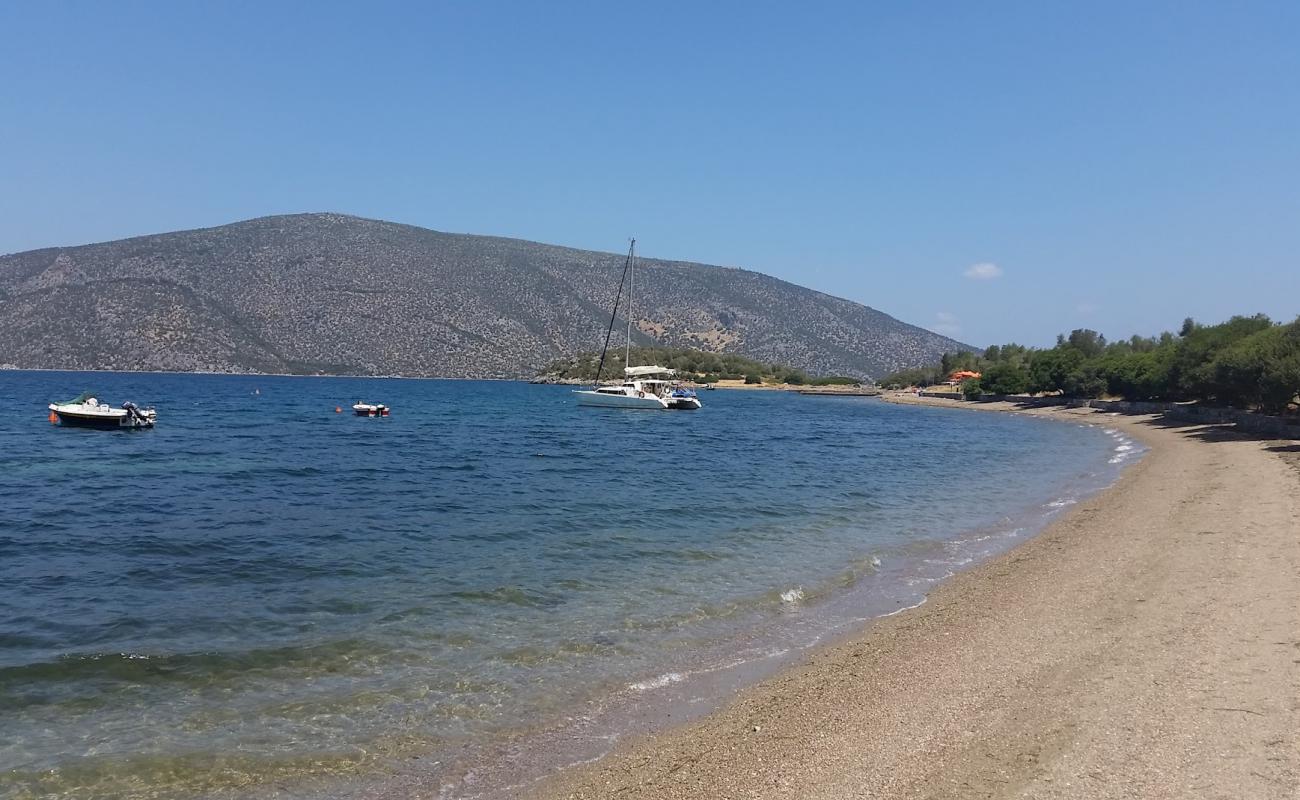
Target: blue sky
{"x": 1109, "y": 165}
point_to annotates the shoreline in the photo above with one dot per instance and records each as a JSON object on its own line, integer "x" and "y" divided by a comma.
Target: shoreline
{"x": 1038, "y": 672}
{"x": 682, "y": 690}
{"x": 786, "y": 387}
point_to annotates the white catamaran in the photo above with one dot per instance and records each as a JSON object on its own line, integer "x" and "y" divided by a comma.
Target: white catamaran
{"x": 648, "y": 387}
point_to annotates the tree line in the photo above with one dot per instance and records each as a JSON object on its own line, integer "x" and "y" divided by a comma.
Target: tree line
{"x": 699, "y": 365}
{"x": 1246, "y": 362}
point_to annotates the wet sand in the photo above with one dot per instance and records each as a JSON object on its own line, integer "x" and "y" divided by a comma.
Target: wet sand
{"x": 1145, "y": 645}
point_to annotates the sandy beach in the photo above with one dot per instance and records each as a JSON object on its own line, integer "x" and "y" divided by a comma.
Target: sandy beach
{"x": 1145, "y": 645}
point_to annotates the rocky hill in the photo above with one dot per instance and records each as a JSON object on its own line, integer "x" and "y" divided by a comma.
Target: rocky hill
{"x": 334, "y": 294}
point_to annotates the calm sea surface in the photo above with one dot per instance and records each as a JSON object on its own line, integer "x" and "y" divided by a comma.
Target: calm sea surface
{"x": 262, "y": 595}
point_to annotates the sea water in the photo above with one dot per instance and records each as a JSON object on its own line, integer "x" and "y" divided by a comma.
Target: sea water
{"x": 264, "y": 595}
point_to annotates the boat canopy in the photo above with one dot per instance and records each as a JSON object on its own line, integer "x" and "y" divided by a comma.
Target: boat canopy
{"x": 638, "y": 372}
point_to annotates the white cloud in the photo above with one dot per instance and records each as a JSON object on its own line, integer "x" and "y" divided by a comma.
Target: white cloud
{"x": 946, "y": 323}
{"x": 983, "y": 271}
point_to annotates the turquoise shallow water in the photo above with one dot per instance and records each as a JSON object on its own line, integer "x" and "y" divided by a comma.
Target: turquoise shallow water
{"x": 261, "y": 591}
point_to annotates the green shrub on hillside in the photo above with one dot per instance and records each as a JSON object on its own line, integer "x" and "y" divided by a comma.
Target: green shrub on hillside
{"x": 703, "y": 366}
{"x": 835, "y": 380}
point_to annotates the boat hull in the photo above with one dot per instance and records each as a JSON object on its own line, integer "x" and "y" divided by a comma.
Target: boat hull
{"x": 101, "y": 421}
{"x": 684, "y": 404}
{"x": 76, "y": 421}
{"x": 599, "y": 400}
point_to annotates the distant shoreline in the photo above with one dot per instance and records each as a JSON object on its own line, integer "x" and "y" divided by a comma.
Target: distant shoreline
{"x": 11, "y": 368}
{"x": 1130, "y": 613}
{"x": 566, "y": 382}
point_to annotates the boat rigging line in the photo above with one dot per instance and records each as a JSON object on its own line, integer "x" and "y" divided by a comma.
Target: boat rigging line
{"x": 627, "y": 265}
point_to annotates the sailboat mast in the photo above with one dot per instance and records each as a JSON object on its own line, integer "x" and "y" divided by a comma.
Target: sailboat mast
{"x": 613, "y": 315}
{"x": 631, "y": 279}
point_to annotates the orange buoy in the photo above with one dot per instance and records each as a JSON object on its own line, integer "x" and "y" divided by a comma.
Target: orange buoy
{"x": 338, "y": 410}
{"x": 54, "y": 418}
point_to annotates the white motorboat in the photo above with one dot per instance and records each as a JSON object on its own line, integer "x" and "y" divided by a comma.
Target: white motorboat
{"x": 87, "y": 411}
{"x": 682, "y": 399}
{"x": 649, "y": 387}
{"x": 362, "y": 409}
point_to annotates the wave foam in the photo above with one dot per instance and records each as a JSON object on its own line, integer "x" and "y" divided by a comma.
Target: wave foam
{"x": 657, "y": 683}
{"x": 792, "y": 595}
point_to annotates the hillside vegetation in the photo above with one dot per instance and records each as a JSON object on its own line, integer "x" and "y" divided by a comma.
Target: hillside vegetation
{"x": 326, "y": 293}
{"x": 697, "y": 365}
{"x": 1246, "y": 362}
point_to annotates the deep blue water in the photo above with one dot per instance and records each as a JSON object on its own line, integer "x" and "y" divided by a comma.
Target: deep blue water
{"x": 262, "y": 589}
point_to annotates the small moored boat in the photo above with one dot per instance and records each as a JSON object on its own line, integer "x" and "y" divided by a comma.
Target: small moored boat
{"x": 370, "y": 409}
{"x": 86, "y": 411}
{"x": 682, "y": 399}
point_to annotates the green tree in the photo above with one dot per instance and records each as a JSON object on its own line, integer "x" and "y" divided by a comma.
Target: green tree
{"x": 1142, "y": 375}
{"x": 1050, "y": 370}
{"x": 1246, "y": 361}
{"x": 953, "y": 362}
{"x": 1191, "y": 372}
{"x": 1085, "y": 381}
{"x": 911, "y": 377}
{"x": 1261, "y": 370}
{"x": 1088, "y": 342}
{"x": 1005, "y": 378}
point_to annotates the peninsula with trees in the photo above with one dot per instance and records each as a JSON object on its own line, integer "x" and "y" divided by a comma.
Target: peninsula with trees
{"x": 699, "y": 366}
